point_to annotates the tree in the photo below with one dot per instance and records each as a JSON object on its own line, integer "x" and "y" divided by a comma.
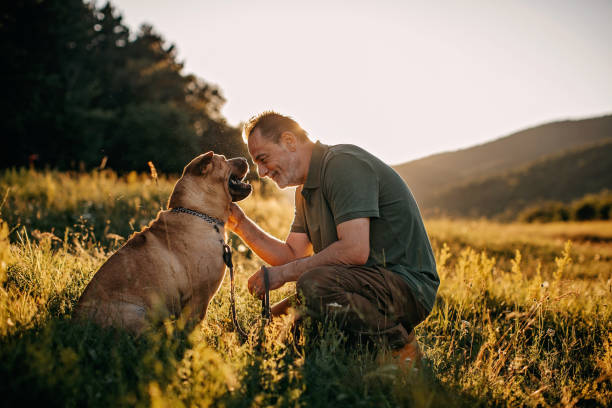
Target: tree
{"x": 82, "y": 88}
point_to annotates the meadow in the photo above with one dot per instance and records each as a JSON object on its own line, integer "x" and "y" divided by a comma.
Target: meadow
{"x": 523, "y": 315}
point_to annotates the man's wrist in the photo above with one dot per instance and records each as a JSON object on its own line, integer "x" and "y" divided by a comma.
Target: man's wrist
{"x": 291, "y": 271}
{"x": 238, "y": 221}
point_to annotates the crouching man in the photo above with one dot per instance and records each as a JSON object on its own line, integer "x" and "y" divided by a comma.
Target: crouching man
{"x": 358, "y": 248}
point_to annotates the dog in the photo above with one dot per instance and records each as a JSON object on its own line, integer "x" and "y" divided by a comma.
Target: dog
{"x": 174, "y": 266}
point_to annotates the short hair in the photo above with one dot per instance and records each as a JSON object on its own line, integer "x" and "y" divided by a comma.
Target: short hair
{"x": 271, "y": 125}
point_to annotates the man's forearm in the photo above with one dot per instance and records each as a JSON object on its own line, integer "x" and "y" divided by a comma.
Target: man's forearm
{"x": 338, "y": 253}
{"x": 267, "y": 247}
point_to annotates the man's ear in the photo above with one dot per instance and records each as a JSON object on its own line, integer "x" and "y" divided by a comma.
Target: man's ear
{"x": 289, "y": 140}
{"x": 205, "y": 162}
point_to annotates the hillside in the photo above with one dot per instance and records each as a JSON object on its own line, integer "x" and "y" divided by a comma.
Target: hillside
{"x": 561, "y": 177}
{"x": 429, "y": 176}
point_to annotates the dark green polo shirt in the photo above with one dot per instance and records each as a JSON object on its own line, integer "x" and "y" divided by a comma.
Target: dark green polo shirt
{"x": 345, "y": 182}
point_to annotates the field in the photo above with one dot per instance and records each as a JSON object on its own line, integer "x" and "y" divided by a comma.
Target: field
{"x": 523, "y": 316}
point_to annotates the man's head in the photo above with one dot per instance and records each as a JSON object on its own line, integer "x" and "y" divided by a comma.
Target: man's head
{"x": 271, "y": 125}
{"x": 279, "y": 147}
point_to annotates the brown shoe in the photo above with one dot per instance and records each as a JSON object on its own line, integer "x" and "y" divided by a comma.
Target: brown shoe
{"x": 409, "y": 356}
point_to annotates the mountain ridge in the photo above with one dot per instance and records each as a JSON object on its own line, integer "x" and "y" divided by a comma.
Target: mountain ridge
{"x": 430, "y": 177}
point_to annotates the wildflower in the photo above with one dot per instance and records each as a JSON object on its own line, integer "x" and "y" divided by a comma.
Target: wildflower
{"x": 153, "y": 171}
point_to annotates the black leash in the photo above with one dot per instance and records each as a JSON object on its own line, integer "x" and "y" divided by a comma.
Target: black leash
{"x": 227, "y": 258}
{"x": 265, "y": 302}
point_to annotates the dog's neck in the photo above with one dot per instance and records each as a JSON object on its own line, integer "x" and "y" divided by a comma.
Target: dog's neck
{"x": 212, "y": 203}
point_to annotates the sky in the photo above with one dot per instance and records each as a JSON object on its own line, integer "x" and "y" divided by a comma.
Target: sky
{"x": 402, "y": 79}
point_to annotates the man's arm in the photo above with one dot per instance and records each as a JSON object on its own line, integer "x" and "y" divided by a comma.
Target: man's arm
{"x": 267, "y": 247}
{"x": 352, "y": 248}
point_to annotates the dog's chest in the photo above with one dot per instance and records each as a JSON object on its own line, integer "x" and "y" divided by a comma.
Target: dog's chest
{"x": 209, "y": 267}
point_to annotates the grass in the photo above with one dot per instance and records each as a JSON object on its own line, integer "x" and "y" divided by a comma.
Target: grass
{"x": 523, "y": 316}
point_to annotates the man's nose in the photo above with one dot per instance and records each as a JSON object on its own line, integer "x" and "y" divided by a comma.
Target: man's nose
{"x": 262, "y": 170}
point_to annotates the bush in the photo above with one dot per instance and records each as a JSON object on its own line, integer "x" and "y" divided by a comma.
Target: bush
{"x": 605, "y": 211}
{"x": 585, "y": 211}
{"x": 546, "y": 212}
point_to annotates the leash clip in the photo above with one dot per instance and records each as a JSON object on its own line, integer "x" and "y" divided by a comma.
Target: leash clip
{"x": 227, "y": 255}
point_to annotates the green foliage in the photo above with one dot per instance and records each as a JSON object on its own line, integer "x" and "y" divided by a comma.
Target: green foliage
{"x": 83, "y": 88}
{"x": 520, "y": 320}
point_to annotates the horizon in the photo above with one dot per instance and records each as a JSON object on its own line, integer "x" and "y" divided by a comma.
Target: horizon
{"x": 495, "y": 139}
{"x": 422, "y": 78}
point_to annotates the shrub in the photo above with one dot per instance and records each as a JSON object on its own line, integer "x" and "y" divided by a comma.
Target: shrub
{"x": 585, "y": 210}
{"x": 590, "y": 207}
{"x": 545, "y": 212}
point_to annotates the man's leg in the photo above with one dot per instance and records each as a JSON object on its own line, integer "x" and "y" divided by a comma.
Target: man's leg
{"x": 364, "y": 300}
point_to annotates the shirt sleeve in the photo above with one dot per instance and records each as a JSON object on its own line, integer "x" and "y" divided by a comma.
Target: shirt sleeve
{"x": 350, "y": 186}
{"x": 298, "y": 219}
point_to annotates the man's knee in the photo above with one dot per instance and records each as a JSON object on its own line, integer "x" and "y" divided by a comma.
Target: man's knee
{"x": 314, "y": 284}
{"x": 309, "y": 283}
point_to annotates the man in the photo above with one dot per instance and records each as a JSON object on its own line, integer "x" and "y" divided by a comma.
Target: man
{"x": 358, "y": 248}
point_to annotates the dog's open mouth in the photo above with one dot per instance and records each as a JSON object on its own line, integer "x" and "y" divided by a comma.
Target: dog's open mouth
{"x": 238, "y": 189}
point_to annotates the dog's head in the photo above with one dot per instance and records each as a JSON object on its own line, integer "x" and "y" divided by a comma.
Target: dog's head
{"x": 213, "y": 179}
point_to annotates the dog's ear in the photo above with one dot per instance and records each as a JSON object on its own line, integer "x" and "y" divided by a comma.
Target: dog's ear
{"x": 205, "y": 163}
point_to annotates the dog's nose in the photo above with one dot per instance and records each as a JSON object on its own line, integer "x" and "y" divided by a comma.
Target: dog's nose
{"x": 243, "y": 164}
{"x": 239, "y": 162}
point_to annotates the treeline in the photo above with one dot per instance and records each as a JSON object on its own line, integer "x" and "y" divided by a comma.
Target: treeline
{"x": 79, "y": 89}
{"x": 587, "y": 208}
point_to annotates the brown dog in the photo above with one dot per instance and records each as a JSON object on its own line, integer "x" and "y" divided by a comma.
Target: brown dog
{"x": 174, "y": 266}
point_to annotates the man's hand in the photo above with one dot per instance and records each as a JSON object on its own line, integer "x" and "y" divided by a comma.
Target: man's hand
{"x": 276, "y": 278}
{"x": 235, "y": 218}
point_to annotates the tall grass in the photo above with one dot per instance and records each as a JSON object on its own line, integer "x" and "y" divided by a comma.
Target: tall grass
{"x": 522, "y": 318}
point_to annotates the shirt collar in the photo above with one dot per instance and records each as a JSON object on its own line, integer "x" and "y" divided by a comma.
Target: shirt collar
{"x": 313, "y": 179}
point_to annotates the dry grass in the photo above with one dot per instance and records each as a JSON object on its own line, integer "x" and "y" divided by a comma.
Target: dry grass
{"x": 522, "y": 319}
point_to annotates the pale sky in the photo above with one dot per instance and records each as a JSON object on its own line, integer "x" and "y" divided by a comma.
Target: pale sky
{"x": 403, "y": 79}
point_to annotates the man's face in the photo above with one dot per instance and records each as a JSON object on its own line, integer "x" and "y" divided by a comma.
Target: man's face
{"x": 276, "y": 161}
